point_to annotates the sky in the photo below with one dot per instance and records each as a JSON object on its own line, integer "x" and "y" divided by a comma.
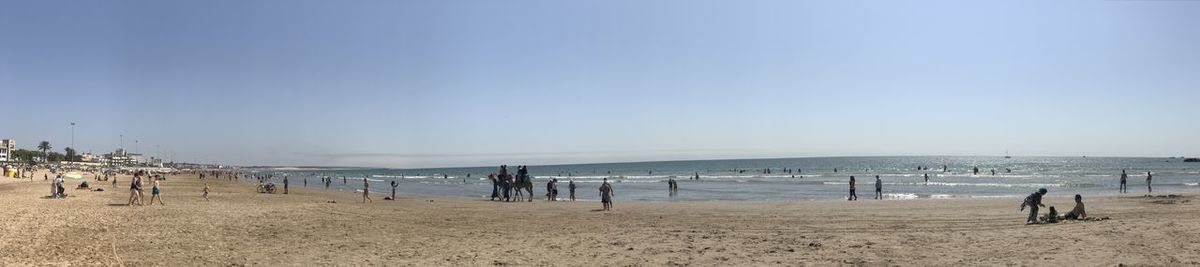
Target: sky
{"x": 477, "y": 83}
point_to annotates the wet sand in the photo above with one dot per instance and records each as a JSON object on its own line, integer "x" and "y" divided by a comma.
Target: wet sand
{"x": 241, "y": 227}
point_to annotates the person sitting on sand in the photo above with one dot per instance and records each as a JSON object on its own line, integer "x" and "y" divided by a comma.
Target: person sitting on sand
{"x": 1076, "y": 213}
{"x": 1052, "y": 217}
{"x": 606, "y": 194}
{"x": 1033, "y": 201}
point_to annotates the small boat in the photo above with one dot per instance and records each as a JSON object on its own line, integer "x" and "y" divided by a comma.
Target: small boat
{"x": 1006, "y": 155}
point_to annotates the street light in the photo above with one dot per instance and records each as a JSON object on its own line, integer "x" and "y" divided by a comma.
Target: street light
{"x": 73, "y": 136}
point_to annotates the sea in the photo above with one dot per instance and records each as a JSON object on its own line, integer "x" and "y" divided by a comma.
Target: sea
{"x": 786, "y": 179}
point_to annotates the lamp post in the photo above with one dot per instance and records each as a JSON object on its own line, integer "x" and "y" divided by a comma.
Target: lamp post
{"x": 73, "y": 136}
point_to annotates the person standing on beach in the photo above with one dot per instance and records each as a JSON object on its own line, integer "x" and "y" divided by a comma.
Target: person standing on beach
{"x": 853, "y": 196}
{"x": 606, "y": 194}
{"x": 549, "y": 190}
{"x": 878, "y": 188}
{"x": 1148, "y": 188}
{"x": 154, "y": 193}
{"x": 394, "y": 185}
{"x": 1123, "y": 189}
{"x": 205, "y": 191}
{"x": 285, "y": 185}
{"x": 133, "y": 189}
{"x": 328, "y": 180}
{"x": 571, "y": 188}
{"x": 926, "y": 179}
{"x": 344, "y": 180}
{"x": 495, "y": 186}
{"x": 305, "y": 181}
{"x": 366, "y": 191}
{"x": 1033, "y": 201}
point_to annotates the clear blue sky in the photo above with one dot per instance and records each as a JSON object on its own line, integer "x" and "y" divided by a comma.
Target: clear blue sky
{"x": 454, "y": 83}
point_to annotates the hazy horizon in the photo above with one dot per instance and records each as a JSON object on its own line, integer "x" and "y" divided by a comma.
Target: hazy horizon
{"x": 478, "y": 83}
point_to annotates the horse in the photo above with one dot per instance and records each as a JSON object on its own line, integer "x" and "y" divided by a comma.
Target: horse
{"x": 523, "y": 183}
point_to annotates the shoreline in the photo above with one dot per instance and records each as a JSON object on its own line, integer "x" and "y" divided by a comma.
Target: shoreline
{"x": 240, "y": 227}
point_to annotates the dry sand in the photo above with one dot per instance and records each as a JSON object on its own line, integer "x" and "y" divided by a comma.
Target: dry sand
{"x": 240, "y": 227}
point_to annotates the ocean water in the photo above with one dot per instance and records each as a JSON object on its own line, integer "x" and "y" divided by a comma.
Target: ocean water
{"x": 810, "y": 179}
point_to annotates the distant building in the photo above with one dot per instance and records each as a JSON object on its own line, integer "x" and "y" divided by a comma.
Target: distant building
{"x": 89, "y": 157}
{"x": 7, "y": 146}
{"x": 124, "y": 158}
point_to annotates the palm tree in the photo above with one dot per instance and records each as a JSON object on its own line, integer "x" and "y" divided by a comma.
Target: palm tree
{"x": 44, "y": 146}
{"x": 70, "y": 154}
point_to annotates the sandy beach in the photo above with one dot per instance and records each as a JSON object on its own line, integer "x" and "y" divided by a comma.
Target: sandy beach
{"x": 317, "y": 227}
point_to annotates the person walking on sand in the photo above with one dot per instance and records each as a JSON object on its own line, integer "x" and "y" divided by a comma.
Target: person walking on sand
{"x": 878, "y": 188}
{"x": 394, "y": 185}
{"x": 205, "y": 191}
{"x": 285, "y": 185}
{"x": 1033, "y": 201}
{"x": 1148, "y": 188}
{"x": 133, "y": 189}
{"x": 366, "y": 191}
{"x": 154, "y": 194}
{"x": 571, "y": 188}
{"x": 495, "y": 186}
{"x": 1123, "y": 189}
{"x": 606, "y": 194}
{"x": 853, "y": 196}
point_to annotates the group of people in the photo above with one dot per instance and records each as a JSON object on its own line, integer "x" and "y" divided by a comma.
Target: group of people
{"x": 1125, "y": 177}
{"x": 1034, "y": 201}
{"x": 136, "y": 195}
{"x": 504, "y": 182}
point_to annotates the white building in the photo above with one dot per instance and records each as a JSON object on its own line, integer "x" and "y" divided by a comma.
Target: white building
{"x": 6, "y": 149}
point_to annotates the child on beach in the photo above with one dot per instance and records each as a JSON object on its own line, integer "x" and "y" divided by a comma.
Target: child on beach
{"x": 1148, "y": 188}
{"x": 205, "y": 191}
{"x": 1052, "y": 217}
{"x": 154, "y": 194}
{"x": 1033, "y": 201}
